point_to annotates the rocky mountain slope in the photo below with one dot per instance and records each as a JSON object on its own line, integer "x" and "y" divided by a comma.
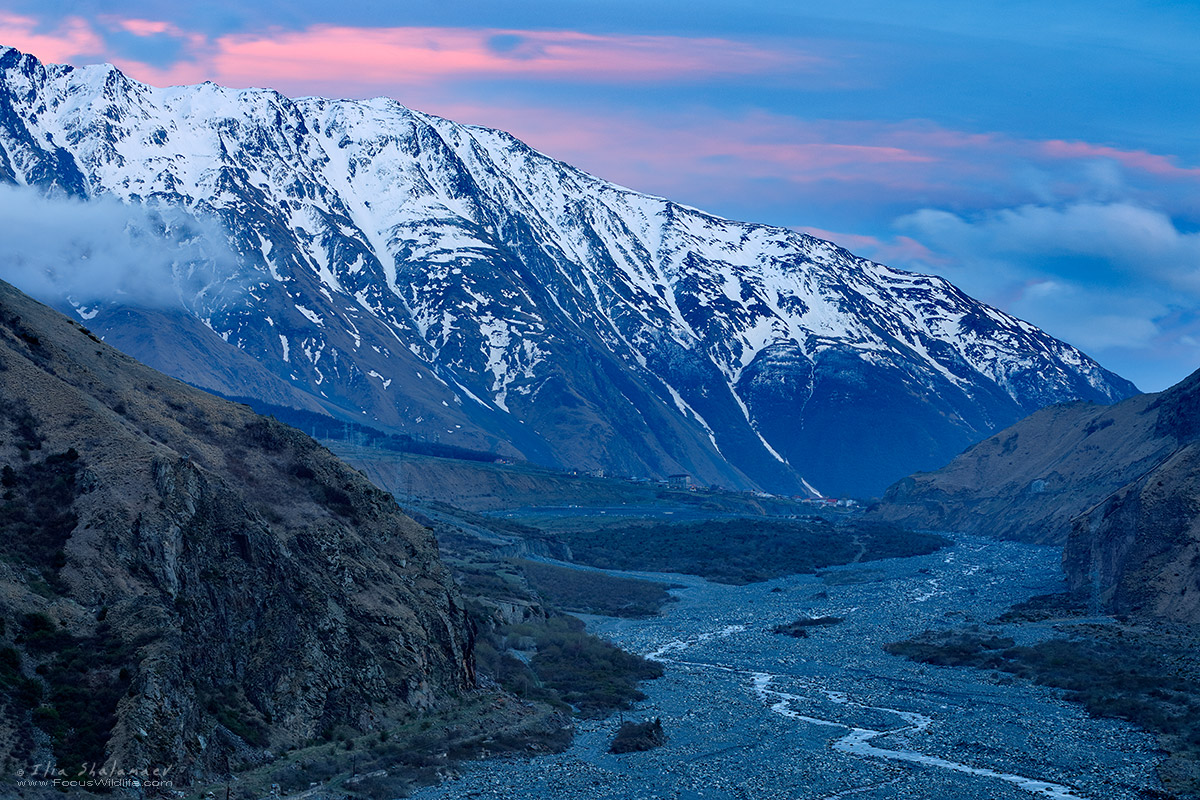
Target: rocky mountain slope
{"x": 1138, "y": 551}
{"x": 456, "y": 285}
{"x": 1029, "y": 481}
{"x": 185, "y": 585}
{"x": 1118, "y": 485}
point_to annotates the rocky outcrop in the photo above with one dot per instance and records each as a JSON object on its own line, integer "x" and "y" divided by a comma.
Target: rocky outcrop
{"x": 186, "y": 585}
{"x": 1138, "y": 551}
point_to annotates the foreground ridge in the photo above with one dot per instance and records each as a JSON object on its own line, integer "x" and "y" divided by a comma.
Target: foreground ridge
{"x": 190, "y": 587}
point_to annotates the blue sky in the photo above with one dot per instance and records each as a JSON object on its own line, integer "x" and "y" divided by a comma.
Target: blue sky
{"x": 1043, "y": 156}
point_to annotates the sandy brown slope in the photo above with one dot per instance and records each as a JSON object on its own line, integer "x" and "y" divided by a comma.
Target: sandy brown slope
{"x": 185, "y": 584}
{"x": 1031, "y": 480}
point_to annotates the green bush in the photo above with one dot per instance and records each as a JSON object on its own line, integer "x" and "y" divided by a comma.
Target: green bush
{"x": 743, "y": 550}
{"x": 586, "y": 671}
{"x": 570, "y": 666}
{"x": 37, "y": 513}
{"x": 1134, "y": 682}
{"x": 595, "y": 592}
{"x": 634, "y": 737}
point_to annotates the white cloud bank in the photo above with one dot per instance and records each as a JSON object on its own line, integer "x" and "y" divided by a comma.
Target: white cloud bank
{"x": 1138, "y": 242}
{"x": 1117, "y": 279}
{"x": 86, "y": 252}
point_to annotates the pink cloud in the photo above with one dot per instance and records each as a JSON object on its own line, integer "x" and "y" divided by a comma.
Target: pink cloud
{"x": 663, "y": 152}
{"x": 709, "y": 157}
{"x": 898, "y": 250}
{"x": 371, "y": 59}
{"x": 408, "y": 62}
{"x": 361, "y": 60}
{"x": 73, "y": 37}
{"x": 147, "y": 27}
{"x": 758, "y": 163}
{"x": 413, "y": 54}
{"x": 1152, "y": 163}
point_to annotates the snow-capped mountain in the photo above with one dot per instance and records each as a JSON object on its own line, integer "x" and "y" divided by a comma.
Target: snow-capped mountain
{"x": 453, "y": 283}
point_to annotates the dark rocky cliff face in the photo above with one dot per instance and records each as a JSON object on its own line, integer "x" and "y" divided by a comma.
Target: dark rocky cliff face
{"x": 1138, "y": 551}
{"x": 1119, "y": 486}
{"x": 186, "y": 584}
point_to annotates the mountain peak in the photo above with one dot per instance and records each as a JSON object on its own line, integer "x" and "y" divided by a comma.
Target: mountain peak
{"x": 454, "y": 283}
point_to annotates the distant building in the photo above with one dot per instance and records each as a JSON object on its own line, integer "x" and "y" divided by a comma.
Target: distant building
{"x": 680, "y": 480}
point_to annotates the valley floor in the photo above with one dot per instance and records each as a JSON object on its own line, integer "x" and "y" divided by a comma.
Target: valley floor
{"x": 756, "y": 715}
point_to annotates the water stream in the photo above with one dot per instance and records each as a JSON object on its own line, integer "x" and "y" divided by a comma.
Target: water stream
{"x": 755, "y": 715}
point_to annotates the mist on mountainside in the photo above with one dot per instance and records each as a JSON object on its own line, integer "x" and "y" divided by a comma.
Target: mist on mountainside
{"x": 64, "y": 250}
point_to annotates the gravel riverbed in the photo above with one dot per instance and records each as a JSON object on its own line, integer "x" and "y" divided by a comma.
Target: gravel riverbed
{"x": 756, "y": 715}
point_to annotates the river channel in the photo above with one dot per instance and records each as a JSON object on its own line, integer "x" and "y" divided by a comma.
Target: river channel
{"x": 755, "y": 715}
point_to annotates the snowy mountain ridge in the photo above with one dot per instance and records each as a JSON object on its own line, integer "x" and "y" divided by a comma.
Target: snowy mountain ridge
{"x": 452, "y": 282}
